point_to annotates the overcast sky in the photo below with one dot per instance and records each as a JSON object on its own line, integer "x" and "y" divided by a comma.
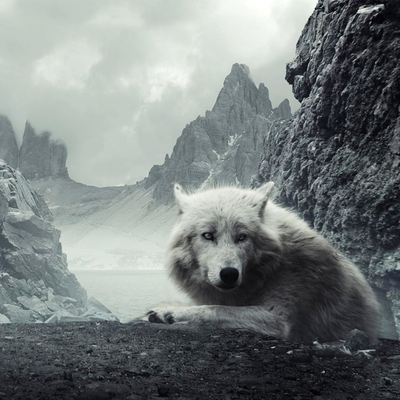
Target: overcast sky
{"x": 119, "y": 80}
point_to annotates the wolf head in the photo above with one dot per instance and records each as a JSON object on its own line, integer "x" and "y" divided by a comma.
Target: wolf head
{"x": 218, "y": 235}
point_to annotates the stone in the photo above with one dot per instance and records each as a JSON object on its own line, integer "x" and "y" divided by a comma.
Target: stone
{"x": 17, "y": 314}
{"x": 35, "y": 304}
{"x": 92, "y": 314}
{"x": 52, "y": 320}
{"x": 96, "y": 311}
{"x": 93, "y": 302}
{"x": 357, "y": 340}
{"x": 51, "y": 305}
{"x": 4, "y": 319}
{"x": 71, "y": 309}
{"x": 64, "y": 316}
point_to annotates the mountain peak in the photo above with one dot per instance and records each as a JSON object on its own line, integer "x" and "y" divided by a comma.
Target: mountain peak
{"x": 240, "y": 70}
{"x": 8, "y": 143}
{"x": 223, "y": 147}
{"x": 40, "y": 156}
{"x": 284, "y": 110}
{"x": 238, "y": 93}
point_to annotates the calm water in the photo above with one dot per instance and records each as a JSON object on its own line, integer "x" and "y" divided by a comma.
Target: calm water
{"x": 129, "y": 294}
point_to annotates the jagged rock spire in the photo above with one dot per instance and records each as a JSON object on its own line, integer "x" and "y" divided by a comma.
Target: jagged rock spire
{"x": 240, "y": 96}
{"x": 40, "y": 156}
{"x": 283, "y": 111}
{"x": 8, "y": 143}
{"x": 224, "y": 146}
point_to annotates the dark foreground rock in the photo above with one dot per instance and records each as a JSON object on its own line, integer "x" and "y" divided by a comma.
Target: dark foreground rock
{"x": 109, "y": 360}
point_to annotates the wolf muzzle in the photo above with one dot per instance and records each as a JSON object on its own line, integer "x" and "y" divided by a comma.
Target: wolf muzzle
{"x": 229, "y": 277}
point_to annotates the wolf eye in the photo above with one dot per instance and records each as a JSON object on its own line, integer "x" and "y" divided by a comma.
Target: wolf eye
{"x": 208, "y": 236}
{"x": 241, "y": 237}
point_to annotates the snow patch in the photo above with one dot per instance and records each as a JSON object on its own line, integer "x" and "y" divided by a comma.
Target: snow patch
{"x": 205, "y": 183}
{"x": 18, "y": 216}
{"x": 233, "y": 139}
{"x": 370, "y": 9}
{"x": 218, "y": 156}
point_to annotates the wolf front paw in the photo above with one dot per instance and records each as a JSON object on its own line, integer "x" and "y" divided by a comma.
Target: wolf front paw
{"x": 161, "y": 316}
{"x": 174, "y": 315}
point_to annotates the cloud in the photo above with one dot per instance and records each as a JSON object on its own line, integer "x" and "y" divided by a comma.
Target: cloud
{"x": 6, "y": 6}
{"x": 118, "y": 17}
{"x": 68, "y": 67}
{"x": 118, "y": 81}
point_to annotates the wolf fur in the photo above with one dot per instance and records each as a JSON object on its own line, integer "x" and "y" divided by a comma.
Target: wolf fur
{"x": 290, "y": 282}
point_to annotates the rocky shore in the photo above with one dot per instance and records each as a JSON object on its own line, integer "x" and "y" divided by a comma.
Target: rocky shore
{"x": 109, "y": 360}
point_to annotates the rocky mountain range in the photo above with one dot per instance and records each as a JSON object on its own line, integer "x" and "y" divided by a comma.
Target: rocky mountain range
{"x": 336, "y": 162}
{"x": 225, "y": 145}
{"x": 40, "y": 156}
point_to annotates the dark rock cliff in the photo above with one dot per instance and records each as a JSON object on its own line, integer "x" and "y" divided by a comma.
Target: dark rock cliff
{"x": 42, "y": 157}
{"x": 338, "y": 162}
{"x": 8, "y": 143}
{"x": 225, "y": 145}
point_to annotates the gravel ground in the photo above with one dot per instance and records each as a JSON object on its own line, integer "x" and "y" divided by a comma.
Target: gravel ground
{"x": 145, "y": 361}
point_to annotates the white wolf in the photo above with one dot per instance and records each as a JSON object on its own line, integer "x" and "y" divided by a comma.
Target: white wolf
{"x": 248, "y": 263}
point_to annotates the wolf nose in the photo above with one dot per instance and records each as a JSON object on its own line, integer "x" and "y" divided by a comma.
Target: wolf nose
{"x": 229, "y": 275}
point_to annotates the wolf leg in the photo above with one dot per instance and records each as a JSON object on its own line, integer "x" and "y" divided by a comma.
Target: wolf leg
{"x": 255, "y": 318}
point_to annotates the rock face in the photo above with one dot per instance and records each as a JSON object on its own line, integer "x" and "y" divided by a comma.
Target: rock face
{"x": 8, "y": 143}
{"x": 338, "y": 162}
{"x": 42, "y": 157}
{"x": 35, "y": 283}
{"x": 225, "y": 145}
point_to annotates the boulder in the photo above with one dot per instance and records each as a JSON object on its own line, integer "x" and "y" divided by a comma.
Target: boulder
{"x": 17, "y": 314}
{"x": 35, "y": 304}
{"x": 4, "y": 319}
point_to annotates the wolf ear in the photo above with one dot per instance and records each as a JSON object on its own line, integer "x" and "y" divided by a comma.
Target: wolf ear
{"x": 180, "y": 196}
{"x": 265, "y": 191}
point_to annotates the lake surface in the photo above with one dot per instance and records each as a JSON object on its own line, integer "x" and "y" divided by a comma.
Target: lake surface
{"x": 129, "y": 294}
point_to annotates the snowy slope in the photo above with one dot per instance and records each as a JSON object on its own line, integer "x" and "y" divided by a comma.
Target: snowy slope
{"x": 108, "y": 228}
